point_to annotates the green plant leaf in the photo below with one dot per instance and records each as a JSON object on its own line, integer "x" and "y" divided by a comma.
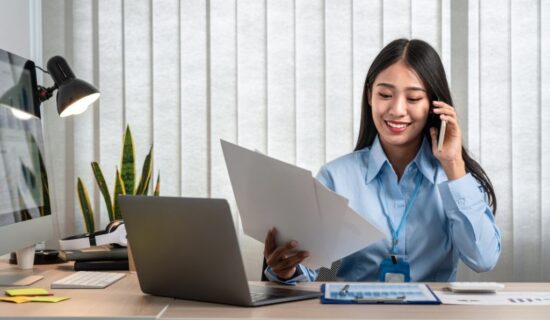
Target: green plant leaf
{"x": 100, "y": 179}
{"x": 86, "y": 206}
{"x": 119, "y": 189}
{"x": 45, "y": 209}
{"x": 128, "y": 162}
{"x": 25, "y": 214}
{"x": 146, "y": 173}
{"x": 30, "y": 181}
{"x": 156, "y": 193}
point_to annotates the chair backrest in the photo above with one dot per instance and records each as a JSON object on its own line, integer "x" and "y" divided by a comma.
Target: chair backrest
{"x": 325, "y": 274}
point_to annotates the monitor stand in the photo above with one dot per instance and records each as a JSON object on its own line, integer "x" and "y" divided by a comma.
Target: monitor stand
{"x": 23, "y": 276}
{"x": 15, "y": 279}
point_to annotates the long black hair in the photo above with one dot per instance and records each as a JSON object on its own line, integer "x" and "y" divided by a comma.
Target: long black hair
{"x": 425, "y": 61}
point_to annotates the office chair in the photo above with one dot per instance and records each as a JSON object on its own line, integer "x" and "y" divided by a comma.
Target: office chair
{"x": 325, "y": 275}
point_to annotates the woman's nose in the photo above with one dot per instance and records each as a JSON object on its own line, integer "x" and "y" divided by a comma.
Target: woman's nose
{"x": 399, "y": 106}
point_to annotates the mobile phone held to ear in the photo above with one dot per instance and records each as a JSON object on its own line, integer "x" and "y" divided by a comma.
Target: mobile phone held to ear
{"x": 435, "y": 121}
{"x": 441, "y": 136}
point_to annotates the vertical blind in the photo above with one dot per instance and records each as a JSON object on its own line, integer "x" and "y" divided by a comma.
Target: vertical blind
{"x": 286, "y": 77}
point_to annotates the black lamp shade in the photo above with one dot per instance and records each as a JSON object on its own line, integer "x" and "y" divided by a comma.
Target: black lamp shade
{"x": 73, "y": 95}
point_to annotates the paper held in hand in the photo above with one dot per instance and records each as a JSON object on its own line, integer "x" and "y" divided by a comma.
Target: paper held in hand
{"x": 271, "y": 193}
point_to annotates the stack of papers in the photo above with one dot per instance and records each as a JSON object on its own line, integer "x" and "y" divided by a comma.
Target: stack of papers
{"x": 271, "y": 193}
{"x": 496, "y": 299}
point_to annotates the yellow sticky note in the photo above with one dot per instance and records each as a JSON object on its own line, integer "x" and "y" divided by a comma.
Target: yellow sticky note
{"x": 27, "y": 292}
{"x": 15, "y": 299}
{"x": 47, "y": 299}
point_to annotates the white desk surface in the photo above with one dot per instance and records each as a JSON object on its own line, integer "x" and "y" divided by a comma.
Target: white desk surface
{"x": 125, "y": 299}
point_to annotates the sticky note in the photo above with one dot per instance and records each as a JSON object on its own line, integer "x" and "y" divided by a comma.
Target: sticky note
{"x": 27, "y": 292}
{"x": 47, "y": 299}
{"x": 14, "y": 299}
{"x": 22, "y": 299}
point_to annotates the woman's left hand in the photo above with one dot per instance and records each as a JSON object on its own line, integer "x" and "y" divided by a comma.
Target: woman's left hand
{"x": 450, "y": 155}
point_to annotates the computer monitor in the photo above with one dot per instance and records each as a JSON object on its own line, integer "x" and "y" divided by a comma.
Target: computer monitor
{"x": 25, "y": 214}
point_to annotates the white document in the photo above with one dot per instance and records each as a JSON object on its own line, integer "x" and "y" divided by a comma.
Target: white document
{"x": 271, "y": 193}
{"x": 495, "y": 299}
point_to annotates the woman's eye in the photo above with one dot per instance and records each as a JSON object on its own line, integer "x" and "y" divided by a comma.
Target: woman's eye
{"x": 414, "y": 100}
{"x": 384, "y": 96}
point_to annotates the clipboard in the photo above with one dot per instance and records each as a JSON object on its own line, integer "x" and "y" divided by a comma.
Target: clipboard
{"x": 377, "y": 293}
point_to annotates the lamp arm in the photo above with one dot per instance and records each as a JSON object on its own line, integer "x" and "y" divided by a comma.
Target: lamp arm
{"x": 45, "y": 93}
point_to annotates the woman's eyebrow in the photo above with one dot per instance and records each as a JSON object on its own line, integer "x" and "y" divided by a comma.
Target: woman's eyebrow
{"x": 389, "y": 85}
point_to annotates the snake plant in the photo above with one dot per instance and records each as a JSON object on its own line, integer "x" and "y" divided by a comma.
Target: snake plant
{"x": 39, "y": 193}
{"x": 125, "y": 182}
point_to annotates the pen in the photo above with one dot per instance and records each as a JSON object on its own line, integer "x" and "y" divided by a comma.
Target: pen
{"x": 344, "y": 290}
{"x": 400, "y": 299}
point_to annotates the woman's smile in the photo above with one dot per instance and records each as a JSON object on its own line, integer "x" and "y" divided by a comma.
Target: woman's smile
{"x": 396, "y": 126}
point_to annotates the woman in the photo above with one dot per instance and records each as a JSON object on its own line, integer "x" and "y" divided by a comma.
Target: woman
{"x": 436, "y": 206}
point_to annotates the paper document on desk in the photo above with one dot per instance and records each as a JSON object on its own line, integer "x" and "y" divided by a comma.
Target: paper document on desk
{"x": 505, "y": 298}
{"x": 272, "y": 193}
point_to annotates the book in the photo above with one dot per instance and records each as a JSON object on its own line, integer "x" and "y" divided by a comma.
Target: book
{"x": 101, "y": 265}
{"x": 105, "y": 252}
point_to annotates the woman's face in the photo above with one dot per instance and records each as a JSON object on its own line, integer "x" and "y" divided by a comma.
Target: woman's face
{"x": 400, "y": 105}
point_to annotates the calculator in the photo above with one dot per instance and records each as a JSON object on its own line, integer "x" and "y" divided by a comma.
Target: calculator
{"x": 475, "y": 287}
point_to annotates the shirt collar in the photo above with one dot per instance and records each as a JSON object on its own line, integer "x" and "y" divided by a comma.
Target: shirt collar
{"x": 424, "y": 160}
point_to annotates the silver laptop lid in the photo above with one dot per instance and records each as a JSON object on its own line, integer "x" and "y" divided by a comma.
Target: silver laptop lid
{"x": 186, "y": 248}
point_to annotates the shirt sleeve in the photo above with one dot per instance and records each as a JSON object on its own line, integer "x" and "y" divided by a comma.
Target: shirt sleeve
{"x": 471, "y": 223}
{"x": 325, "y": 178}
{"x": 302, "y": 274}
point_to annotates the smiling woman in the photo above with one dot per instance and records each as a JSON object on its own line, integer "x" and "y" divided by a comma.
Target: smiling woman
{"x": 400, "y": 180}
{"x": 286, "y": 77}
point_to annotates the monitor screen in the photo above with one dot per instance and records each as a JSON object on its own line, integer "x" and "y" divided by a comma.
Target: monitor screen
{"x": 24, "y": 200}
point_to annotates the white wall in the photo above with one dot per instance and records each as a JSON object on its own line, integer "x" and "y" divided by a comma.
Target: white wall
{"x": 15, "y": 27}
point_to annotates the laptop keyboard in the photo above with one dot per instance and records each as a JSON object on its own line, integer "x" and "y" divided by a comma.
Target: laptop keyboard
{"x": 259, "y": 293}
{"x": 257, "y": 296}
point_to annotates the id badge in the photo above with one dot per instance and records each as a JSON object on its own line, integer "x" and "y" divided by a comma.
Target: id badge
{"x": 394, "y": 269}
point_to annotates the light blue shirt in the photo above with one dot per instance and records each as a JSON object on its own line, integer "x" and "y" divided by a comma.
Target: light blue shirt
{"x": 450, "y": 220}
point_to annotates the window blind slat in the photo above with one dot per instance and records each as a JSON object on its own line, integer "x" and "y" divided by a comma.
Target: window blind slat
{"x": 193, "y": 118}
{"x": 166, "y": 96}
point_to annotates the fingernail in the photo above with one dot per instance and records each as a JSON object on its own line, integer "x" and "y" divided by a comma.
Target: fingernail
{"x": 293, "y": 243}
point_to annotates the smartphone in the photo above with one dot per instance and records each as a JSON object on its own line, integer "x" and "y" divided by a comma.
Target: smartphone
{"x": 435, "y": 121}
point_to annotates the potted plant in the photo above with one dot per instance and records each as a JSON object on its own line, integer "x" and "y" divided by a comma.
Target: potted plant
{"x": 125, "y": 179}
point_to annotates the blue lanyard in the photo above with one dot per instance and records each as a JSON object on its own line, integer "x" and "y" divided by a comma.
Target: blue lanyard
{"x": 394, "y": 232}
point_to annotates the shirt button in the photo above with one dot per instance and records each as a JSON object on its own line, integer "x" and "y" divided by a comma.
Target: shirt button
{"x": 461, "y": 201}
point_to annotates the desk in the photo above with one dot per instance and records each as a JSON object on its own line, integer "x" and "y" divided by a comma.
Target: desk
{"x": 125, "y": 299}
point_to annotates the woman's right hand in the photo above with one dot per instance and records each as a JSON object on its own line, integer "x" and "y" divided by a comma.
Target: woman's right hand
{"x": 282, "y": 260}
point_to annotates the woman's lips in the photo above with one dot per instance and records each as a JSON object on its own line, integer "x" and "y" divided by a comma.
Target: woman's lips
{"x": 396, "y": 127}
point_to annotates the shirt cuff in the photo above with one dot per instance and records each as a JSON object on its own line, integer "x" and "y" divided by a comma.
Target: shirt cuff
{"x": 299, "y": 275}
{"x": 461, "y": 194}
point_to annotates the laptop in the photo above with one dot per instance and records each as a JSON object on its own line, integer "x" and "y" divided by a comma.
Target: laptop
{"x": 187, "y": 248}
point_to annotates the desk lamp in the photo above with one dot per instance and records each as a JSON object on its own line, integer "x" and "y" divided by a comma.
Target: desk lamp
{"x": 73, "y": 95}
